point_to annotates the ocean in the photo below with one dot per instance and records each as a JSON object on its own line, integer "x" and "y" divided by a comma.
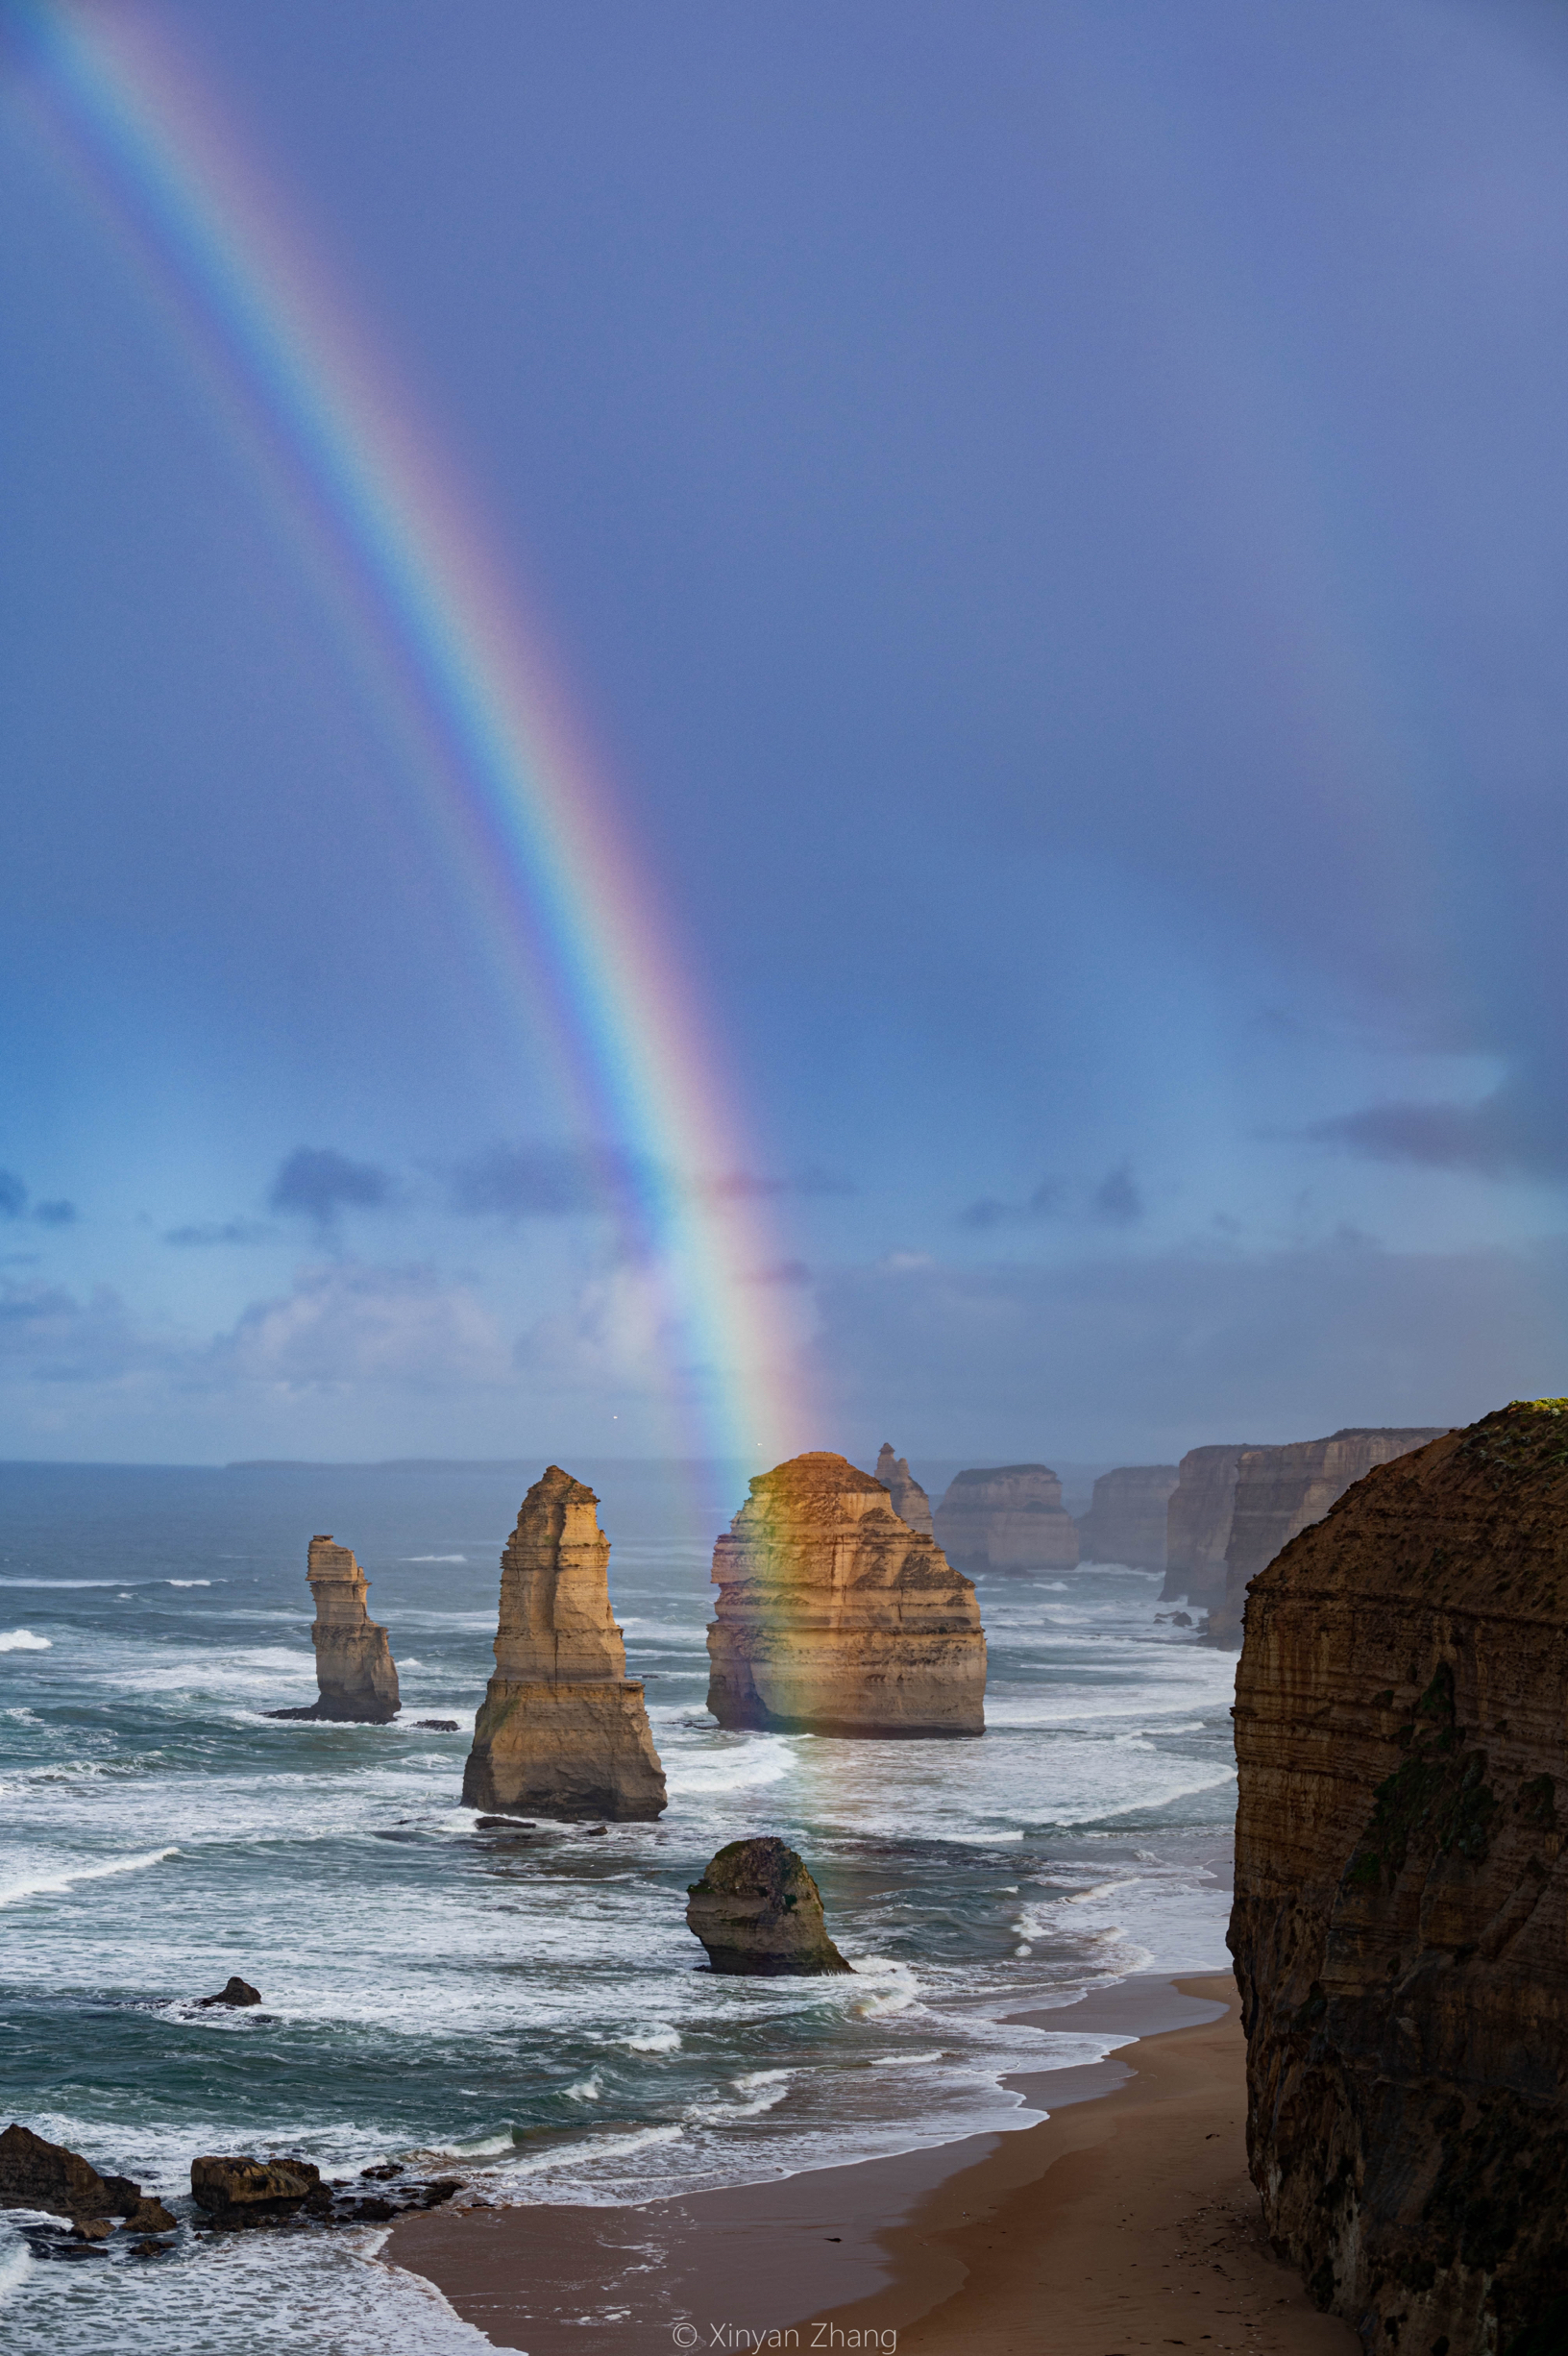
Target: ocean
{"x": 527, "y": 2011}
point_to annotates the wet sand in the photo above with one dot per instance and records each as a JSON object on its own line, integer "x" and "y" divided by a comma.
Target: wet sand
{"x": 1123, "y": 2221}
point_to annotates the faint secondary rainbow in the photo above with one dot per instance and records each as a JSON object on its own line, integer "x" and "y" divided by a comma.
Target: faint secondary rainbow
{"x": 450, "y": 662}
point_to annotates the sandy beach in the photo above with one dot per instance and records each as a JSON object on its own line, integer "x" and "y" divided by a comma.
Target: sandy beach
{"x": 1124, "y": 2220}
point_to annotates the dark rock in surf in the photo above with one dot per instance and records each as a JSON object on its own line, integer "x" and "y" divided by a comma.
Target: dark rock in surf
{"x": 758, "y": 1911}
{"x": 240, "y": 2191}
{"x": 238, "y": 1991}
{"x": 437, "y": 1725}
{"x": 36, "y": 2174}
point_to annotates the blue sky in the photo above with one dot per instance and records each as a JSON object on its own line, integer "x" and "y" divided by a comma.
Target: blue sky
{"x": 1060, "y": 516}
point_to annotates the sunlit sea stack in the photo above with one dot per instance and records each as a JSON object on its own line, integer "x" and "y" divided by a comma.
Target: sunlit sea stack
{"x": 563, "y": 1731}
{"x": 355, "y": 1675}
{"x": 1401, "y": 1919}
{"x": 910, "y": 1501}
{"x": 1008, "y": 1517}
{"x": 834, "y": 1617}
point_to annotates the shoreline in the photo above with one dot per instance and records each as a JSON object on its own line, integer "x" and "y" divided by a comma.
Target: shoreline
{"x": 1006, "y": 2241}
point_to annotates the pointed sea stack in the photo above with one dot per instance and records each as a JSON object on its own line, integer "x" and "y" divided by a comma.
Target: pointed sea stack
{"x": 355, "y": 1671}
{"x": 1007, "y": 1517}
{"x": 834, "y": 1617}
{"x": 758, "y": 1911}
{"x": 563, "y": 1731}
{"x": 910, "y": 1501}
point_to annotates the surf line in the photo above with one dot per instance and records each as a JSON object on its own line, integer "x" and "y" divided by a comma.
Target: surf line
{"x": 461, "y": 680}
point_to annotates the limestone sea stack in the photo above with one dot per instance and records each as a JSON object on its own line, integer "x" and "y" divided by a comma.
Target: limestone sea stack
{"x": 1401, "y": 1919}
{"x": 1126, "y": 1521}
{"x": 835, "y": 1617}
{"x": 563, "y": 1731}
{"x": 757, "y": 1910}
{"x": 910, "y": 1501}
{"x": 357, "y": 1680}
{"x": 1281, "y": 1491}
{"x": 1198, "y": 1525}
{"x": 1008, "y": 1517}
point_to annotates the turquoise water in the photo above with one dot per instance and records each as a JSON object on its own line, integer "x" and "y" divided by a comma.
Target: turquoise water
{"x": 529, "y": 2013}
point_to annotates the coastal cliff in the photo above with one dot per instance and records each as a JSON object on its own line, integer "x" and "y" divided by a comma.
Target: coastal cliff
{"x": 1282, "y": 1491}
{"x": 910, "y": 1501}
{"x": 1198, "y": 1525}
{"x": 1401, "y": 1919}
{"x": 1126, "y": 1520}
{"x": 563, "y": 1731}
{"x": 356, "y": 1676}
{"x": 834, "y": 1617}
{"x": 1007, "y": 1517}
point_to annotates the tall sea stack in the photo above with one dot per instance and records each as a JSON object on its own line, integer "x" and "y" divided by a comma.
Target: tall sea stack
{"x": 834, "y": 1617}
{"x": 1126, "y": 1521}
{"x": 1198, "y": 1525}
{"x": 1401, "y": 1920}
{"x": 563, "y": 1731}
{"x": 355, "y": 1678}
{"x": 1282, "y": 1491}
{"x": 910, "y": 1501}
{"x": 1008, "y": 1517}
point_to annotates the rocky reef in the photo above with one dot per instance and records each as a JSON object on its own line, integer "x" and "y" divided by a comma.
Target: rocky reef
{"x": 563, "y": 1731}
{"x": 910, "y": 1501}
{"x": 1401, "y": 1919}
{"x": 1198, "y": 1525}
{"x": 357, "y": 1680}
{"x": 1282, "y": 1491}
{"x": 757, "y": 1910}
{"x": 1126, "y": 1521}
{"x": 1008, "y": 1517}
{"x": 36, "y": 2174}
{"x": 835, "y": 1617}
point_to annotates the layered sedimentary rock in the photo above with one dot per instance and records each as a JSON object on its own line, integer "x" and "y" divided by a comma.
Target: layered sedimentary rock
{"x": 355, "y": 1678}
{"x": 758, "y": 1910}
{"x": 1126, "y": 1521}
{"x": 835, "y": 1617}
{"x": 1282, "y": 1491}
{"x": 1401, "y": 1920}
{"x": 563, "y": 1731}
{"x": 1198, "y": 1525}
{"x": 910, "y": 1501}
{"x": 1008, "y": 1517}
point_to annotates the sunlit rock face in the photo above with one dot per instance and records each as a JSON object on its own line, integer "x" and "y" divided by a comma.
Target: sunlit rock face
{"x": 910, "y": 1501}
{"x": 355, "y": 1678}
{"x": 1281, "y": 1491}
{"x": 563, "y": 1731}
{"x": 1401, "y": 1920}
{"x": 1126, "y": 1522}
{"x": 1008, "y": 1517}
{"x": 835, "y": 1617}
{"x": 1198, "y": 1525}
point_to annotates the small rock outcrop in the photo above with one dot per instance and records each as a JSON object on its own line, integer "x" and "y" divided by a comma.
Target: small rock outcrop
{"x": 910, "y": 1501}
{"x": 36, "y": 2174}
{"x": 355, "y": 1672}
{"x": 1126, "y": 1521}
{"x": 235, "y": 1991}
{"x": 835, "y": 1617}
{"x": 1401, "y": 1919}
{"x": 563, "y": 1731}
{"x": 242, "y": 2191}
{"x": 757, "y": 1910}
{"x": 1198, "y": 1525}
{"x": 1007, "y": 1517}
{"x": 1282, "y": 1491}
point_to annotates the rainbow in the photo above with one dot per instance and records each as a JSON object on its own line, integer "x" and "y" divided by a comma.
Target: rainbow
{"x": 456, "y": 672}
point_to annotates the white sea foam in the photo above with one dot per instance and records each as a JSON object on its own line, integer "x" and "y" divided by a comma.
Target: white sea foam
{"x": 23, "y": 1640}
{"x": 436, "y": 1557}
{"x": 659, "y": 2039}
{"x": 187, "y": 1582}
{"x": 48, "y": 1886}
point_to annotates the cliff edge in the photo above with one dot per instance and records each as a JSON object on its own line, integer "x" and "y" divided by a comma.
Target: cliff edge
{"x": 1401, "y": 1921}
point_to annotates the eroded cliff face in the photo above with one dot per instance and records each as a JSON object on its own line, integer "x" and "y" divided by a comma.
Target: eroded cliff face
{"x": 1401, "y": 1920}
{"x": 1198, "y": 1525}
{"x": 1281, "y": 1491}
{"x": 562, "y": 1732}
{"x": 1007, "y": 1517}
{"x": 1126, "y": 1521}
{"x": 910, "y": 1501}
{"x": 355, "y": 1678}
{"x": 834, "y": 1617}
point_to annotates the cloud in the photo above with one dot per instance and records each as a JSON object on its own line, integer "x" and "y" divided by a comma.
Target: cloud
{"x": 224, "y": 1231}
{"x": 1117, "y": 1198}
{"x": 352, "y": 1323}
{"x": 48, "y": 1335}
{"x": 13, "y": 1198}
{"x": 1507, "y": 1135}
{"x": 544, "y": 1182}
{"x": 1045, "y": 1202}
{"x": 319, "y": 1184}
{"x": 54, "y": 1213}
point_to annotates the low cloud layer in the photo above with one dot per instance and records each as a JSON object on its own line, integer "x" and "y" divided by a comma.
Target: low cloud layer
{"x": 16, "y": 1202}
{"x": 317, "y": 1183}
{"x": 1511, "y": 1134}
